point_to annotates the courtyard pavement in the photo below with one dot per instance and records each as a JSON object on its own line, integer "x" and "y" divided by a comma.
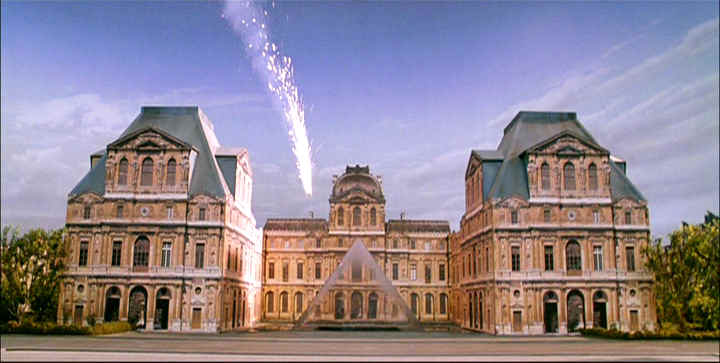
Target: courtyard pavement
{"x": 346, "y": 346}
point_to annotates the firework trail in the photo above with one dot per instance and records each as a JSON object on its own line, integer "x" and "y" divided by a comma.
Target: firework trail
{"x": 250, "y": 22}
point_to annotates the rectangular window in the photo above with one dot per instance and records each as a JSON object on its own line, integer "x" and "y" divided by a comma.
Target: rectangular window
{"x": 428, "y": 273}
{"x": 546, "y": 215}
{"x": 413, "y": 272}
{"x": 170, "y": 212}
{"x": 201, "y": 214}
{"x": 596, "y": 217}
{"x": 373, "y": 243}
{"x": 487, "y": 259}
{"x": 200, "y": 255}
{"x": 598, "y": 258}
{"x": 441, "y": 272}
{"x": 318, "y": 243}
{"x": 83, "y": 255}
{"x": 395, "y": 271}
{"x": 630, "y": 255}
{"x": 318, "y": 270}
{"x": 119, "y": 212}
{"x": 271, "y": 270}
{"x": 427, "y": 245}
{"x": 516, "y": 258}
{"x": 300, "y": 270}
{"x": 166, "y": 254}
{"x": 340, "y": 242}
{"x": 116, "y": 253}
{"x": 285, "y": 272}
{"x": 395, "y": 243}
{"x": 514, "y": 217}
{"x": 86, "y": 212}
{"x": 412, "y": 244}
{"x": 628, "y": 217}
{"x": 240, "y": 260}
{"x": 549, "y": 258}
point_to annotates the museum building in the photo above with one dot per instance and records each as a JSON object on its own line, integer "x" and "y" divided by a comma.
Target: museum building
{"x": 161, "y": 234}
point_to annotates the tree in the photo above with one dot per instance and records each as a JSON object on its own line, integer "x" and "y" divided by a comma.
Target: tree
{"x": 32, "y": 266}
{"x": 687, "y": 282}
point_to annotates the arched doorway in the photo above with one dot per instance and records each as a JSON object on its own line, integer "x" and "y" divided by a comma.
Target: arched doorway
{"x": 137, "y": 307}
{"x": 162, "y": 309}
{"x": 299, "y": 303}
{"x": 600, "y": 310}
{"x": 475, "y": 312}
{"x": 112, "y": 304}
{"x": 356, "y": 305}
{"x": 372, "y": 306}
{"x": 480, "y": 310}
{"x": 470, "y": 309}
{"x": 550, "y": 312}
{"x": 575, "y": 310}
{"x": 339, "y": 305}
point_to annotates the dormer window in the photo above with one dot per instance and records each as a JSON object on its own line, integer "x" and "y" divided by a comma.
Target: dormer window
{"x": 86, "y": 212}
{"x": 545, "y": 176}
{"x": 201, "y": 214}
{"x": 628, "y": 217}
{"x": 147, "y": 172}
{"x": 514, "y": 217}
{"x": 171, "y": 172}
{"x": 569, "y": 173}
{"x": 122, "y": 172}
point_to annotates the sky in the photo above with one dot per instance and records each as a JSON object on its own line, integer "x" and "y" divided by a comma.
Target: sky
{"x": 408, "y": 88}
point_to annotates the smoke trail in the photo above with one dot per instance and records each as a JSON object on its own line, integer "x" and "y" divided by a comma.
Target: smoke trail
{"x": 250, "y": 22}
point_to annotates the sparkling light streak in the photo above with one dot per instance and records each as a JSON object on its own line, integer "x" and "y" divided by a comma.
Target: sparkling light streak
{"x": 251, "y": 24}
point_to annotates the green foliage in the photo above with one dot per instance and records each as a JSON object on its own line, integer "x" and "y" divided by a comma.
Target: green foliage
{"x": 111, "y": 328}
{"x": 31, "y": 327}
{"x": 32, "y": 266}
{"x": 90, "y": 320}
{"x": 647, "y": 335}
{"x": 687, "y": 282}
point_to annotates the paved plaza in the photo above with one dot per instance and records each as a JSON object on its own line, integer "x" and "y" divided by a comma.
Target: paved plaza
{"x": 346, "y": 346}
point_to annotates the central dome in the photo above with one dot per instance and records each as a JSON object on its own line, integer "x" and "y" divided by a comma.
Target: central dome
{"x": 357, "y": 178}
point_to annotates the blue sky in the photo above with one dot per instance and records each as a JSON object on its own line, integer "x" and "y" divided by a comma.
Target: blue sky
{"x": 407, "y": 87}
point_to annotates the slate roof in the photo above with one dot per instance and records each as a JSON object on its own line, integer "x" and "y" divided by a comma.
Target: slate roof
{"x": 505, "y": 169}
{"x": 296, "y": 224}
{"x": 188, "y": 124}
{"x": 409, "y": 225}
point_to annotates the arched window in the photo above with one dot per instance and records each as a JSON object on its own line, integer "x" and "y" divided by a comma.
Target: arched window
{"x": 592, "y": 177}
{"x": 373, "y": 217}
{"x": 284, "y": 302}
{"x": 356, "y": 216}
{"x": 443, "y": 304}
{"x": 372, "y": 306}
{"x": 545, "y": 176}
{"x": 299, "y": 302}
{"x": 414, "y": 303}
{"x": 147, "y": 172}
{"x": 572, "y": 256}
{"x": 171, "y": 172}
{"x": 122, "y": 172}
{"x": 140, "y": 252}
{"x": 270, "y": 301}
{"x": 428, "y": 303}
{"x": 569, "y": 172}
{"x": 340, "y": 216}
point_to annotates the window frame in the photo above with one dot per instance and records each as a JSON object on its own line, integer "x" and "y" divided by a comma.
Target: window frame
{"x": 570, "y": 182}
{"x": 83, "y": 253}
{"x": 146, "y": 172}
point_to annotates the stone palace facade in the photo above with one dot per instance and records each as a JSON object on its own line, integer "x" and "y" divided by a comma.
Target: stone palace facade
{"x": 161, "y": 234}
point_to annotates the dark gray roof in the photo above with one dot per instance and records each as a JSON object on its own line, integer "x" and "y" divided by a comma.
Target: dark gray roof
{"x": 410, "y": 225}
{"x": 506, "y": 178}
{"x": 620, "y": 186}
{"x": 188, "y": 124}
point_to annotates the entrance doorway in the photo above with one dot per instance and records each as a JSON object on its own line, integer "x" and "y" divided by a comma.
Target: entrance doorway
{"x": 356, "y": 305}
{"x": 137, "y": 311}
{"x": 600, "y": 310}
{"x": 372, "y": 306}
{"x": 77, "y": 318}
{"x": 575, "y": 310}
{"x": 196, "y": 318}
{"x": 162, "y": 309}
{"x": 112, "y": 304}
{"x": 550, "y": 312}
{"x": 517, "y": 321}
{"x": 339, "y": 305}
{"x": 634, "y": 321}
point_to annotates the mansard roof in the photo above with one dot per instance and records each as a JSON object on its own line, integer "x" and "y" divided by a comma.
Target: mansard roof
{"x": 296, "y": 224}
{"x": 505, "y": 169}
{"x": 410, "y": 225}
{"x": 188, "y": 125}
{"x": 620, "y": 186}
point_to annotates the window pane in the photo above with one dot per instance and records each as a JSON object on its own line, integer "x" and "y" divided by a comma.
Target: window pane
{"x": 592, "y": 176}
{"x": 545, "y": 175}
{"x": 516, "y": 258}
{"x": 116, "y": 253}
{"x": 573, "y": 256}
{"x": 598, "y": 260}
{"x": 630, "y": 255}
{"x": 549, "y": 258}
{"x": 122, "y": 172}
{"x": 199, "y": 255}
{"x": 147, "y": 172}
{"x": 569, "y": 176}
{"x": 83, "y": 255}
{"x": 171, "y": 172}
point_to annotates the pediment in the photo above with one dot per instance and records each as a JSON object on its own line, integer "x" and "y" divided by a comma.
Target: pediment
{"x": 473, "y": 164}
{"x": 149, "y": 138}
{"x": 567, "y": 143}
